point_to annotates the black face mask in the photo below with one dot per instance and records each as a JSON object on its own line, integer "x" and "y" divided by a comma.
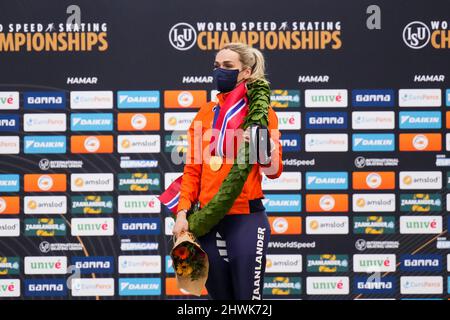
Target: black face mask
{"x": 225, "y": 79}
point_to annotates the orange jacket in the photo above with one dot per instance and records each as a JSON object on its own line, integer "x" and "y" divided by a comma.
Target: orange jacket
{"x": 201, "y": 183}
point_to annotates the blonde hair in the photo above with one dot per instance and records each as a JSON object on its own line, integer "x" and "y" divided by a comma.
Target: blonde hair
{"x": 250, "y": 57}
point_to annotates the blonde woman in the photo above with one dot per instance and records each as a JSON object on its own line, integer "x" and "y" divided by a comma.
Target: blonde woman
{"x": 237, "y": 245}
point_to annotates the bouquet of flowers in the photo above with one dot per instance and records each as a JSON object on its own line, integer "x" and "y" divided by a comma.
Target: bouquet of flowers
{"x": 190, "y": 263}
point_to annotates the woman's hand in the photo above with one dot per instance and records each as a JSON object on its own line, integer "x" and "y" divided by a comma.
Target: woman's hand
{"x": 181, "y": 224}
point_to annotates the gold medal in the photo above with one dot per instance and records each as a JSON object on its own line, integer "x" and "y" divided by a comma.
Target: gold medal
{"x": 215, "y": 163}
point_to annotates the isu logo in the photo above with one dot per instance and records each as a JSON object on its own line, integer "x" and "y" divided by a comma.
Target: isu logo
{"x": 182, "y": 36}
{"x": 416, "y": 35}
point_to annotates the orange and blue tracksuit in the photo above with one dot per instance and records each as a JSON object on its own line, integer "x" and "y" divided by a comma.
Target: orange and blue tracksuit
{"x": 237, "y": 246}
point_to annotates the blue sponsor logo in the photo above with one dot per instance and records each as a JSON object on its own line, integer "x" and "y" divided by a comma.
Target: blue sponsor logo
{"x": 326, "y": 180}
{"x": 45, "y": 287}
{"x": 44, "y": 144}
{"x": 169, "y": 265}
{"x": 419, "y": 120}
{"x": 87, "y": 265}
{"x": 139, "y": 286}
{"x": 282, "y": 202}
{"x": 373, "y": 98}
{"x": 139, "y": 226}
{"x": 44, "y": 100}
{"x": 138, "y": 99}
{"x": 9, "y": 122}
{"x": 371, "y": 285}
{"x": 373, "y": 142}
{"x": 447, "y": 95}
{"x": 9, "y": 183}
{"x": 421, "y": 262}
{"x": 91, "y": 122}
{"x": 291, "y": 142}
{"x": 326, "y": 120}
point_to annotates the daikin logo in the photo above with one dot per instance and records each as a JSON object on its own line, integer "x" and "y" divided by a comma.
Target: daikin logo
{"x": 138, "y": 99}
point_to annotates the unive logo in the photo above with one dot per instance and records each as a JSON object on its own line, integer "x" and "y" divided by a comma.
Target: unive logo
{"x": 327, "y": 263}
{"x": 44, "y": 100}
{"x": 374, "y": 263}
{"x": 282, "y": 202}
{"x": 45, "y": 288}
{"x": 290, "y": 142}
{"x": 9, "y": 100}
{"x": 45, "y": 265}
{"x": 421, "y": 262}
{"x": 326, "y": 98}
{"x": 139, "y": 226}
{"x": 327, "y": 285}
{"x": 326, "y": 180}
{"x": 285, "y": 98}
{"x": 9, "y": 183}
{"x": 420, "y": 224}
{"x": 138, "y": 204}
{"x": 373, "y": 98}
{"x": 88, "y": 265}
{"x": 326, "y": 120}
{"x": 374, "y": 225}
{"x": 91, "y": 122}
{"x": 420, "y": 120}
{"x": 289, "y": 120}
{"x": 374, "y": 285}
{"x": 373, "y": 142}
{"x": 138, "y": 99}
{"x": 10, "y": 288}
{"x": 139, "y": 286}
{"x": 44, "y": 144}
{"x": 92, "y": 226}
{"x": 9, "y": 123}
